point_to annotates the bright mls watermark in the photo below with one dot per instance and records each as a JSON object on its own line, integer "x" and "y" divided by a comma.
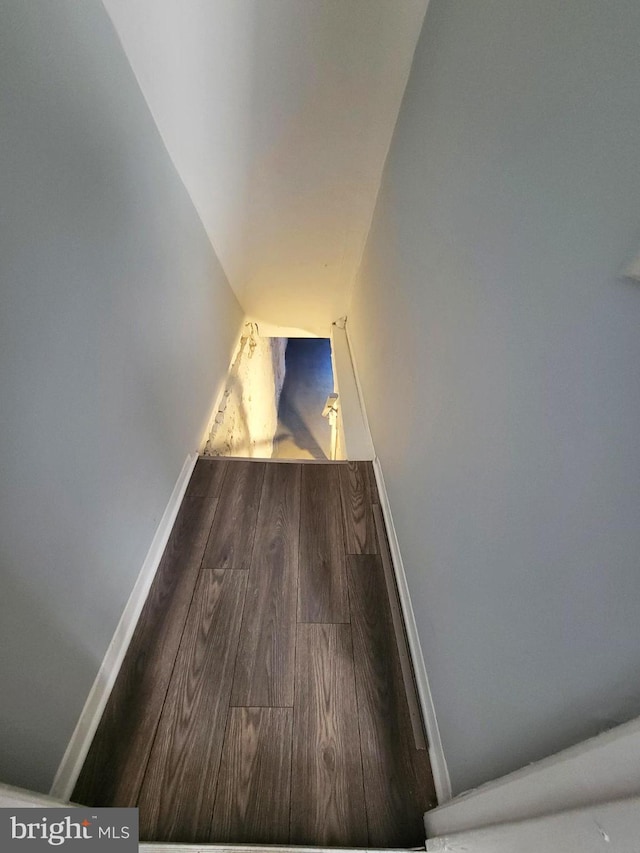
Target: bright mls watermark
{"x": 83, "y": 829}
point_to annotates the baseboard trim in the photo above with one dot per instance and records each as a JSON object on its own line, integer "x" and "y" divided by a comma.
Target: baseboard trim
{"x": 78, "y": 746}
{"x": 436, "y": 753}
{"x": 415, "y": 713}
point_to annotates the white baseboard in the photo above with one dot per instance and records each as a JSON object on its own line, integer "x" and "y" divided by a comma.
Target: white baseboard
{"x": 436, "y": 753}
{"x": 78, "y": 746}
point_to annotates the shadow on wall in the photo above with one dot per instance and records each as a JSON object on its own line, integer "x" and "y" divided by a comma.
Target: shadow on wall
{"x": 294, "y": 439}
{"x": 302, "y": 432}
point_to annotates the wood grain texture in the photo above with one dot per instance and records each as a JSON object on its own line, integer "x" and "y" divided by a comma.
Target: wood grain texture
{"x": 113, "y": 770}
{"x": 208, "y": 638}
{"x": 397, "y": 781}
{"x": 264, "y": 671}
{"x": 327, "y": 797}
{"x": 207, "y": 478}
{"x": 359, "y": 526}
{"x": 254, "y": 784}
{"x": 411, "y": 691}
{"x": 231, "y": 541}
{"x": 371, "y": 478}
{"x": 177, "y": 796}
{"x": 322, "y": 587}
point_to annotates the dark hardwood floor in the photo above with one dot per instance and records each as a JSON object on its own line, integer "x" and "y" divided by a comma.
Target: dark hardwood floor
{"x": 267, "y": 696}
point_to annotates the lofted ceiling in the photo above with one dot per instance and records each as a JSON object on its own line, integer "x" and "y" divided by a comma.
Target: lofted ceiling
{"x": 278, "y": 115}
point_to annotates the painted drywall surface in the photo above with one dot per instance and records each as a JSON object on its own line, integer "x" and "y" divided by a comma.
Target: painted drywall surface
{"x": 599, "y": 770}
{"x": 498, "y": 348}
{"x": 278, "y": 116}
{"x": 116, "y": 331}
{"x": 247, "y": 417}
{"x": 609, "y": 826}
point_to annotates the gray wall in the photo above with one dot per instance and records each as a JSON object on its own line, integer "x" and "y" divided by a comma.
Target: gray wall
{"x": 499, "y": 352}
{"x": 116, "y": 330}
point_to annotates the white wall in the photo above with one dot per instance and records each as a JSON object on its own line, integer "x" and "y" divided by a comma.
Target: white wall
{"x": 247, "y": 418}
{"x": 598, "y": 770}
{"x": 603, "y": 828}
{"x": 499, "y": 352}
{"x": 278, "y": 116}
{"x": 116, "y": 331}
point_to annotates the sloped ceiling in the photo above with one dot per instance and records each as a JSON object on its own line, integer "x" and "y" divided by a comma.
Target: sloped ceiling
{"x": 278, "y": 115}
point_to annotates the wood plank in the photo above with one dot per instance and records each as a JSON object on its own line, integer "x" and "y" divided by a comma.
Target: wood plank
{"x": 179, "y": 794}
{"x": 411, "y": 692}
{"x": 397, "y": 779}
{"x": 113, "y": 770}
{"x": 371, "y": 477}
{"x": 327, "y": 797}
{"x": 322, "y": 588}
{"x": 357, "y": 514}
{"x": 231, "y": 541}
{"x": 176, "y": 801}
{"x": 264, "y": 673}
{"x": 254, "y": 783}
{"x": 207, "y": 478}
